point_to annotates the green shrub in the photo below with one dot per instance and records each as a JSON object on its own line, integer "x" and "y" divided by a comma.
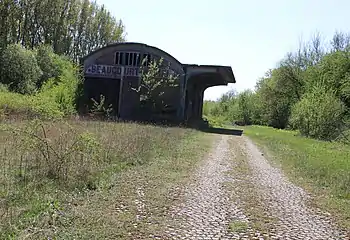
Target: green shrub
{"x": 62, "y": 93}
{"x": 63, "y": 85}
{"x": 3, "y": 88}
{"x": 57, "y": 95}
{"x": 215, "y": 121}
{"x": 319, "y": 114}
{"x": 19, "y": 69}
{"x": 15, "y": 104}
{"x": 48, "y": 63}
{"x": 61, "y": 96}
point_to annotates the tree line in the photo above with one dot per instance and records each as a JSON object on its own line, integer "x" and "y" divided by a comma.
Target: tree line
{"x": 308, "y": 90}
{"x": 41, "y": 42}
{"x": 40, "y": 45}
{"x": 72, "y": 27}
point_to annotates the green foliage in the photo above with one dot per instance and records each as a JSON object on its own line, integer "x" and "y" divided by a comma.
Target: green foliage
{"x": 232, "y": 108}
{"x": 100, "y": 108}
{"x": 70, "y": 27}
{"x": 207, "y": 107}
{"x": 321, "y": 167}
{"x": 155, "y": 80}
{"x": 277, "y": 93}
{"x": 319, "y": 114}
{"x": 50, "y": 168}
{"x": 334, "y": 72}
{"x": 49, "y": 63}
{"x": 218, "y": 121}
{"x": 63, "y": 88}
{"x": 309, "y": 90}
{"x": 19, "y": 69}
{"x": 3, "y": 88}
{"x": 54, "y": 96}
{"x": 18, "y": 105}
{"x": 245, "y": 107}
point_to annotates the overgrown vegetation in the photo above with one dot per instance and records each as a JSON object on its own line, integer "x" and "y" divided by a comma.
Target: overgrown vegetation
{"x": 321, "y": 167}
{"x": 71, "y": 27}
{"x": 40, "y": 44}
{"x": 47, "y": 167}
{"x": 37, "y": 83}
{"x": 156, "y": 79}
{"x": 309, "y": 91}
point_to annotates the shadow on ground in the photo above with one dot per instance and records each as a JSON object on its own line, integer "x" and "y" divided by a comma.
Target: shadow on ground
{"x": 199, "y": 125}
{"x": 224, "y": 131}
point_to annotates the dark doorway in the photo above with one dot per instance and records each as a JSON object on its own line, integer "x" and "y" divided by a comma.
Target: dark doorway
{"x": 109, "y": 88}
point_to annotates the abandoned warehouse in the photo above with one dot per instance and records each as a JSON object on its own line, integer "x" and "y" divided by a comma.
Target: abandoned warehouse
{"x": 116, "y": 72}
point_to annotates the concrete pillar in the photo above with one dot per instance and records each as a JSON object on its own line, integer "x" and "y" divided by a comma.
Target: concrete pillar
{"x": 196, "y": 104}
{"x": 190, "y": 102}
{"x": 201, "y": 104}
{"x": 183, "y": 89}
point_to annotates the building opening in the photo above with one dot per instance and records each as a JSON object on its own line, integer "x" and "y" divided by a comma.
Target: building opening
{"x": 109, "y": 89}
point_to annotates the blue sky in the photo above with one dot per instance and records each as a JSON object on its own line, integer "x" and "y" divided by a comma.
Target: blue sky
{"x": 250, "y": 36}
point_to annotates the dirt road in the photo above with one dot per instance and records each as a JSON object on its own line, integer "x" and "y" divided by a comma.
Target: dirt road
{"x": 237, "y": 194}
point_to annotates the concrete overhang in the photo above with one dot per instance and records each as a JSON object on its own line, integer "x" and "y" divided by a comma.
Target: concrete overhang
{"x": 210, "y": 74}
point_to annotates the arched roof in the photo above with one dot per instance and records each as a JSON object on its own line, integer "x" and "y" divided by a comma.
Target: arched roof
{"x": 130, "y": 44}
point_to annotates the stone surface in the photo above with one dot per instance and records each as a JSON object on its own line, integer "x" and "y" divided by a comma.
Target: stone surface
{"x": 208, "y": 207}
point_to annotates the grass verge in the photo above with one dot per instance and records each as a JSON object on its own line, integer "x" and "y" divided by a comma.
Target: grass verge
{"x": 323, "y": 168}
{"x": 91, "y": 180}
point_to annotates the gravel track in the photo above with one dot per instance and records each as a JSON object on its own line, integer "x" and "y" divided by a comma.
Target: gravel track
{"x": 209, "y": 207}
{"x": 287, "y": 202}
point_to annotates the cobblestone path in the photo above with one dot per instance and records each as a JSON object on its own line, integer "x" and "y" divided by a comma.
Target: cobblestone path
{"x": 210, "y": 207}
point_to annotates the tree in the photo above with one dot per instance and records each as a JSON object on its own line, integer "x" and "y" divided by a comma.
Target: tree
{"x": 19, "y": 69}
{"x": 319, "y": 114}
{"x": 156, "y": 79}
{"x": 71, "y": 27}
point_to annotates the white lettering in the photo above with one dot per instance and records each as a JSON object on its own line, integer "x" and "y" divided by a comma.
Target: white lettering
{"x": 112, "y": 71}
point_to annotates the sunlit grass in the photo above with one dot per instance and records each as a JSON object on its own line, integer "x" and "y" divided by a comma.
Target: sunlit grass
{"x": 321, "y": 167}
{"x": 64, "y": 179}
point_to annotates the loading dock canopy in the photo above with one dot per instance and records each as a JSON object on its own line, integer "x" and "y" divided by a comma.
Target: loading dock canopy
{"x": 210, "y": 75}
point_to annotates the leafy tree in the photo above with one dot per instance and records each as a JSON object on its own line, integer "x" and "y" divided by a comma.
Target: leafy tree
{"x": 309, "y": 90}
{"x": 155, "y": 80}
{"x": 275, "y": 100}
{"x": 334, "y": 73}
{"x": 319, "y": 114}
{"x": 19, "y": 69}
{"x": 47, "y": 61}
{"x": 71, "y": 27}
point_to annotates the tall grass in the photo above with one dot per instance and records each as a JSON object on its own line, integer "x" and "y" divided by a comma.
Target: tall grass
{"x": 38, "y": 160}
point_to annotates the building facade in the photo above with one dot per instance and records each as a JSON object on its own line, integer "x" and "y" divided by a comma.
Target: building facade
{"x": 115, "y": 72}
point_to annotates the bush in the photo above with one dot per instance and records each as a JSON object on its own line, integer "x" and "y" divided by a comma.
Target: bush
{"x": 3, "y": 88}
{"x": 60, "y": 81}
{"x": 64, "y": 88}
{"x": 19, "y": 69}
{"x": 18, "y": 105}
{"x": 319, "y": 114}
{"x": 48, "y": 63}
{"x": 56, "y": 97}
